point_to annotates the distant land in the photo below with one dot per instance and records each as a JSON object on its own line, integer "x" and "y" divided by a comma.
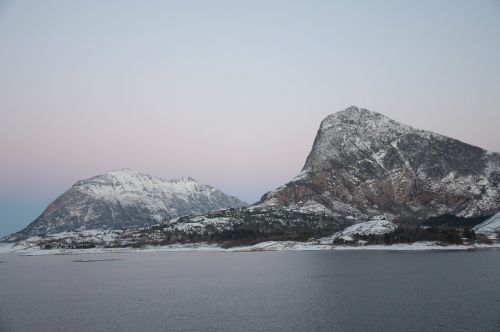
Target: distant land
{"x": 368, "y": 180}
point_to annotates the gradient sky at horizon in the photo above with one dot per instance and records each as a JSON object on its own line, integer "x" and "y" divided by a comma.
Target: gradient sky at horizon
{"x": 230, "y": 93}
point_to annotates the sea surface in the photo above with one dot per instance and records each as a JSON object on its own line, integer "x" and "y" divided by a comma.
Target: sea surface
{"x": 252, "y": 291}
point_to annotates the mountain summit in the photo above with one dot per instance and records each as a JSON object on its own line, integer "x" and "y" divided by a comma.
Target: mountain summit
{"x": 363, "y": 163}
{"x": 125, "y": 199}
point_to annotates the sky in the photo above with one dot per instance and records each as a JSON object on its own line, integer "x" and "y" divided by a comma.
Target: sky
{"x": 230, "y": 93}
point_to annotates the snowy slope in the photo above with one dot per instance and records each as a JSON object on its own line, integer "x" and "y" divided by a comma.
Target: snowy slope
{"x": 377, "y": 226}
{"x": 126, "y": 199}
{"x": 371, "y": 227}
{"x": 489, "y": 226}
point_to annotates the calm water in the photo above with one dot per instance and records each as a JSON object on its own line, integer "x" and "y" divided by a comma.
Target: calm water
{"x": 262, "y": 291}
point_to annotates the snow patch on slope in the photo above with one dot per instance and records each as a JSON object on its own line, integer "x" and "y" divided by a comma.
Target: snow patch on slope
{"x": 489, "y": 226}
{"x": 377, "y": 226}
{"x": 309, "y": 206}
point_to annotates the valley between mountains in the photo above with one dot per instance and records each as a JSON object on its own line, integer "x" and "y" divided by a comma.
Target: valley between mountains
{"x": 368, "y": 182}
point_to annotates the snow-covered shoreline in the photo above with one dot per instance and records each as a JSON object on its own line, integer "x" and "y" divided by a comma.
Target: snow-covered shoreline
{"x": 9, "y": 249}
{"x": 104, "y": 241}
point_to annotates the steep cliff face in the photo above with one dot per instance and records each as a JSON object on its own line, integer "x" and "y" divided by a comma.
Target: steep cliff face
{"x": 125, "y": 199}
{"x": 363, "y": 163}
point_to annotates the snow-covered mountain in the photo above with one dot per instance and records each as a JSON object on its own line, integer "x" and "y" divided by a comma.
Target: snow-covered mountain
{"x": 364, "y": 164}
{"x": 125, "y": 199}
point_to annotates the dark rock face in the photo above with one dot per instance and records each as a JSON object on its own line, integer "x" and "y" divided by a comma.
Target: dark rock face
{"x": 363, "y": 163}
{"x": 125, "y": 199}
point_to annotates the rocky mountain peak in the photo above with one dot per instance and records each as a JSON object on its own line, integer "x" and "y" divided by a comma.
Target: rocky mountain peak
{"x": 352, "y": 114}
{"x": 363, "y": 163}
{"x": 347, "y": 133}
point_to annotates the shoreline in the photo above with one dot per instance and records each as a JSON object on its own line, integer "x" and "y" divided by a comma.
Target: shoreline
{"x": 10, "y": 249}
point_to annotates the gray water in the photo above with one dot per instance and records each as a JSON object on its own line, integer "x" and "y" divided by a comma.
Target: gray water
{"x": 259, "y": 291}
